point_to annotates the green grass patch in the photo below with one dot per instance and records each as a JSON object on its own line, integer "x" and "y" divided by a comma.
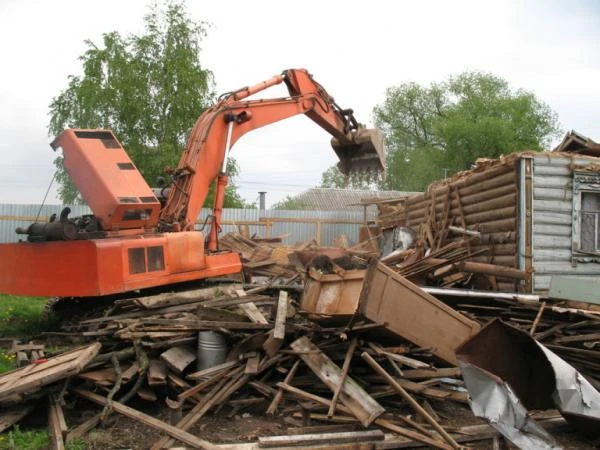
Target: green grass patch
{"x": 18, "y": 439}
{"x": 23, "y": 317}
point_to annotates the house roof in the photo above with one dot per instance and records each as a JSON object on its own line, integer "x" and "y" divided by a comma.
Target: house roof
{"x": 575, "y": 142}
{"x": 331, "y": 199}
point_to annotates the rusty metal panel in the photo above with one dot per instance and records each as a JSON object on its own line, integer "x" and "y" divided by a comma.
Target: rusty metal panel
{"x": 413, "y": 314}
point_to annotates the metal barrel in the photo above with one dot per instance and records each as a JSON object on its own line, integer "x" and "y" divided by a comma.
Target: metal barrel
{"x": 212, "y": 349}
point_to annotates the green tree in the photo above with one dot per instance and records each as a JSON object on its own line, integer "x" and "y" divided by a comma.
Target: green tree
{"x": 148, "y": 88}
{"x": 334, "y": 178}
{"x": 289, "y": 203}
{"x": 438, "y": 130}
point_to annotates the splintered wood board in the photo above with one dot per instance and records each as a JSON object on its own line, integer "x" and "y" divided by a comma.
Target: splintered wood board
{"x": 16, "y": 384}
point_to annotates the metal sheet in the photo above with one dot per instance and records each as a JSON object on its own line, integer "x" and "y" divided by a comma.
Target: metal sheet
{"x": 507, "y": 373}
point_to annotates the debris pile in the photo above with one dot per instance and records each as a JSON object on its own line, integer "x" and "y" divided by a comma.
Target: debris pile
{"x": 341, "y": 349}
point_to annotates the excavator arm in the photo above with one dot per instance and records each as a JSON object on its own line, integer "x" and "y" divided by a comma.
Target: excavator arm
{"x": 218, "y": 128}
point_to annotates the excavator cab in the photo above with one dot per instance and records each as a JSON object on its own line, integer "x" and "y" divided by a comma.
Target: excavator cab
{"x": 364, "y": 154}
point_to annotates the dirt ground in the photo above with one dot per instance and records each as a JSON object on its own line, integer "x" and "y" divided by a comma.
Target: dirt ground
{"x": 119, "y": 432}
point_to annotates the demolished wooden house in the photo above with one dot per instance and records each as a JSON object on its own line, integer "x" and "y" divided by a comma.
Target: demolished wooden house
{"x": 537, "y": 211}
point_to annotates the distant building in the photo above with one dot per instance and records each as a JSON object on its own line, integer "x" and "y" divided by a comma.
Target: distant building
{"x": 331, "y": 199}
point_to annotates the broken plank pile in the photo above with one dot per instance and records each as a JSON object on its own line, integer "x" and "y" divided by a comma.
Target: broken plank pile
{"x": 271, "y": 362}
{"x": 289, "y": 264}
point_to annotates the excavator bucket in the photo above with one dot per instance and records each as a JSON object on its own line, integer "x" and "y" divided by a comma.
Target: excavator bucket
{"x": 363, "y": 154}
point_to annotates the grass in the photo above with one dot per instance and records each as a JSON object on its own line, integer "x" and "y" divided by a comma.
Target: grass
{"x": 39, "y": 439}
{"x": 21, "y": 318}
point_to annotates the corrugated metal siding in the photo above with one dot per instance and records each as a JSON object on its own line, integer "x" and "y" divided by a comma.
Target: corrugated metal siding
{"x": 552, "y": 220}
{"x": 294, "y": 232}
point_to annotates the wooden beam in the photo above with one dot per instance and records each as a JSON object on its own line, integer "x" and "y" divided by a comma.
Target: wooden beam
{"x": 56, "y": 423}
{"x": 321, "y": 438}
{"x": 362, "y": 405}
{"x": 141, "y": 417}
{"x": 406, "y": 396}
{"x": 282, "y": 306}
{"x": 345, "y": 368}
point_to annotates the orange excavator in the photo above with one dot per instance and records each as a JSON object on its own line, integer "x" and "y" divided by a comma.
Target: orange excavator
{"x": 132, "y": 240}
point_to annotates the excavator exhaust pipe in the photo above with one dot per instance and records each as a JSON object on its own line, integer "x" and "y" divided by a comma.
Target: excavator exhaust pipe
{"x": 363, "y": 154}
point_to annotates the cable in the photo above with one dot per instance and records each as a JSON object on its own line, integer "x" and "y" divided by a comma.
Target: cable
{"x": 45, "y": 197}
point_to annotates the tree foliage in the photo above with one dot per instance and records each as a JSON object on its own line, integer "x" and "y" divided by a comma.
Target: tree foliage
{"x": 290, "y": 203}
{"x": 334, "y": 178}
{"x": 444, "y": 128}
{"x": 148, "y": 88}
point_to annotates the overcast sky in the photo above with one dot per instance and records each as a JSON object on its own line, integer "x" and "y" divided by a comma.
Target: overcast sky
{"x": 355, "y": 49}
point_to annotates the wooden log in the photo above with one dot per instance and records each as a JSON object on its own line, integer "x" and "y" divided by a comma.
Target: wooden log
{"x": 482, "y": 268}
{"x": 180, "y": 298}
{"x": 362, "y": 405}
{"x": 406, "y": 396}
{"x": 141, "y": 417}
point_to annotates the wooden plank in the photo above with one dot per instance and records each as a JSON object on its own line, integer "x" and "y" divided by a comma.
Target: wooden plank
{"x": 282, "y": 305}
{"x": 578, "y": 338}
{"x": 14, "y": 385}
{"x": 413, "y": 314}
{"x": 252, "y": 364}
{"x": 253, "y": 313}
{"x": 134, "y": 414}
{"x": 210, "y": 371}
{"x": 419, "y": 374}
{"x": 362, "y": 405}
{"x": 219, "y": 393}
{"x": 380, "y": 422}
{"x": 10, "y": 416}
{"x": 178, "y": 358}
{"x": 157, "y": 373}
{"x": 272, "y": 345}
{"x": 345, "y": 368}
{"x": 56, "y": 423}
{"x": 321, "y": 438}
{"x": 411, "y": 401}
{"x": 272, "y": 409}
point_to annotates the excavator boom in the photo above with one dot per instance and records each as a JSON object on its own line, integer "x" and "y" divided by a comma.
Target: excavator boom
{"x": 218, "y": 128}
